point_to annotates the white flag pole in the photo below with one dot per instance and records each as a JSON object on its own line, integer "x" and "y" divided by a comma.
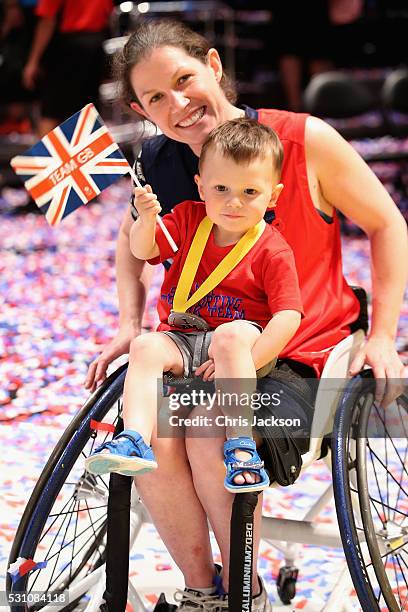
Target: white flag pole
{"x": 159, "y": 219}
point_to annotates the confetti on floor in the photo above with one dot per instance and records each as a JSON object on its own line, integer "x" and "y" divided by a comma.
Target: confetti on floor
{"x": 59, "y": 307}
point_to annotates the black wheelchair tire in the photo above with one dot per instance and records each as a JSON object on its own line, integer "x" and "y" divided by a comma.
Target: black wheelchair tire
{"x": 368, "y": 525}
{"x": 342, "y": 494}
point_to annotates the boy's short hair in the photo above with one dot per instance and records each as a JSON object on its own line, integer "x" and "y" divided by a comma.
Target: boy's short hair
{"x": 244, "y": 140}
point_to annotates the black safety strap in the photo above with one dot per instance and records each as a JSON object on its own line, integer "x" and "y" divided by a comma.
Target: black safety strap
{"x": 241, "y": 552}
{"x": 117, "y": 546}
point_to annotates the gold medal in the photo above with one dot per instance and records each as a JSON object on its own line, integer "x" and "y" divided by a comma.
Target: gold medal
{"x": 181, "y": 301}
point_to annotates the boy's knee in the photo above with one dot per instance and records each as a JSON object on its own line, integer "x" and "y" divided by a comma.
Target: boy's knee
{"x": 227, "y": 338}
{"x": 144, "y": 346}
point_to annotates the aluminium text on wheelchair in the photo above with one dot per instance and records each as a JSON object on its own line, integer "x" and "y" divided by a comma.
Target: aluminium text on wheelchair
{"x": 173, "y": 78}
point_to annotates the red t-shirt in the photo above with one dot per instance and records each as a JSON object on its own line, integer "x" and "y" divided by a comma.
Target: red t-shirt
{"x": 262, "y": 284}
{"x": 77, "y": 15}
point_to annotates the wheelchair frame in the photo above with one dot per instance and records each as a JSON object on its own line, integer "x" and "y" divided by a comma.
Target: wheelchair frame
{"x": 274, "y": 530}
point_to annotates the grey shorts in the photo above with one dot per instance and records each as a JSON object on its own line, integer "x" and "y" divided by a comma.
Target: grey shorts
{"x": 194, "y": 346}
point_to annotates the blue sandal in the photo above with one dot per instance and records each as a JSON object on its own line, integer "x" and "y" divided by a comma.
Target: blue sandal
{"x": 126, "y": 454}
{"x": 236, "y": 467}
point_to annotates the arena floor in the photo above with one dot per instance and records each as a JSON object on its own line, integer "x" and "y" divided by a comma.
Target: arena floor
{"x": 58, "y": 308}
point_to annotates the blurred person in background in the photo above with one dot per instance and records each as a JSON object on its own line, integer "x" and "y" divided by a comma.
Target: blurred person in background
{"x": 302, "y": 43}
{"x": 66, "y": 59}
{"x": 16, "y": 34}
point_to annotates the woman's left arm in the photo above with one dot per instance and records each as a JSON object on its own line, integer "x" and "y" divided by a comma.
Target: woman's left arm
{"x": 346, "y": 182}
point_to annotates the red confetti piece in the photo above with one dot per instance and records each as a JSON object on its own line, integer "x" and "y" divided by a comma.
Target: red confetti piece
{"x": 163, "y": 567}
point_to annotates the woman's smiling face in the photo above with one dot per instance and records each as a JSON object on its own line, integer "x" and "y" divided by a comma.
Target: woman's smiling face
{"x": 181, "y": 94}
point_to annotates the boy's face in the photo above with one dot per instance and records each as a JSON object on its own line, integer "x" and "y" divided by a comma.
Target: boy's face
{"x": 237, "y": 195}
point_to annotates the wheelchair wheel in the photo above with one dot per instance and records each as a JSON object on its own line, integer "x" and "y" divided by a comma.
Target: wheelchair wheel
{"x": 370, "y": 478}
{"x": 63, "y": 528}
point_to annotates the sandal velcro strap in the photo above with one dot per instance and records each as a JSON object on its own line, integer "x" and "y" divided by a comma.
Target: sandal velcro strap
{"x": 247, "y": 465}
{"x": 137, "y": 442}
{"x": 130, "y": 437}
{"x": 239, "y": 444}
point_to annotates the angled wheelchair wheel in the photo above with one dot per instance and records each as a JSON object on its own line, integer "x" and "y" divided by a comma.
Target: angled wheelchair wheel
{"x": 63, "y": 528}
{"x": 370, "y": 478}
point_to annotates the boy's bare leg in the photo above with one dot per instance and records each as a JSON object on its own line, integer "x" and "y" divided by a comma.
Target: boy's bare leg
{"x": 235, "y": 373}
{"x": 150, "y": 355}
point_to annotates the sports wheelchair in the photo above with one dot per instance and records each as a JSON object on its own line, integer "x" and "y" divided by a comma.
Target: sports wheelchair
{"x": 62, "y": 537}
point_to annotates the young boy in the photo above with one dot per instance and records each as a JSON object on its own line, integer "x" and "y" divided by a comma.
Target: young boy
{"x": 245, "y": 304}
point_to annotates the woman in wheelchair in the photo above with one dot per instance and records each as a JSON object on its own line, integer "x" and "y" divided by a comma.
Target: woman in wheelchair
{"x": 240, "y": 166}
{"x": 172, "y": 77}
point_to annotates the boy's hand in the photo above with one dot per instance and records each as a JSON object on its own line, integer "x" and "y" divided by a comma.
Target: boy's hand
{"x": 206, "y": 370}
{"x": 146, "y": 203}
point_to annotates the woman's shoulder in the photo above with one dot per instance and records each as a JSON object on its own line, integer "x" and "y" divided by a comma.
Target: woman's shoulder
{"x": 288, "y": 125}
{"x": 154, "y": 147}
{"x": 160, "y": 152}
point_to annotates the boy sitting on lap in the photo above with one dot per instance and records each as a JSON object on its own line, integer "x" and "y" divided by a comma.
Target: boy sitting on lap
{"x": 236, "y": 277}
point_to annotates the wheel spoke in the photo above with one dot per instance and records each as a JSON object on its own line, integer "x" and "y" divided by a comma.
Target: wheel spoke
{"x": 383, "y": 520}
{"x": 405, "y": 580}
{"x": 56, "y": 516}
{"x": 377, "y": 501}
{"x": 74, "y": 510}
{"x": 406, "y": 447}
{"x": 89, "y": 514}
{"x": 92, "y": 508}
{"x": 396, "y": 577}
{"x": 390, "y": 552}
{"x": 62, "y": 547}
{"x": 389, "y": 437}
{"x": 65, "y": 567}
{"x": 47, "y": 558}
{"x": 66, "y": 516}
{"x": 51, "y": 583}
{"x": 386, "y": 468}
{"x": 73, "y": 546}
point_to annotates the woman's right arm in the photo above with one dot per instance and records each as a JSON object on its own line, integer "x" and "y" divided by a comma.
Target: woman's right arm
{"x": 132, "y": 280}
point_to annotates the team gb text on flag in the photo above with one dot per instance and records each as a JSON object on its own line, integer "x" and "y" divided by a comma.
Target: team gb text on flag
{"x": 71, "y": 165}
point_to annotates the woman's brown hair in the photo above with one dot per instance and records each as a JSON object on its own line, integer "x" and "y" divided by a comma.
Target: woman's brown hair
{"x": 151, "y": 35}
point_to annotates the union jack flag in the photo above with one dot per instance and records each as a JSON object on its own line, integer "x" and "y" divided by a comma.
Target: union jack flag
{"x": 71, "y": 165}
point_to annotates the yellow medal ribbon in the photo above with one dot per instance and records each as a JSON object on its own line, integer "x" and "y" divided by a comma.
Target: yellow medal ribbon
{"x": 181, "y": 302}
